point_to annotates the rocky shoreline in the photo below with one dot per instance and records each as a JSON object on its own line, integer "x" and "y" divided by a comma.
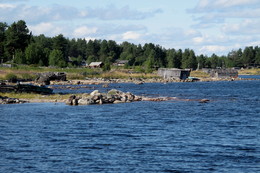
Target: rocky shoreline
{"x": 7, "y": 100}
{"x": 98, "y": 81}
{"x": 111, "y": 97}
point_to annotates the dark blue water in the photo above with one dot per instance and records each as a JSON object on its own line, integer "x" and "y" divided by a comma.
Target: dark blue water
{"x": 173, "y": 136}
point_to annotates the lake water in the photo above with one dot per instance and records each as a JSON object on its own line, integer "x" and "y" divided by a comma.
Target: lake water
{"x": 172, "y": 136}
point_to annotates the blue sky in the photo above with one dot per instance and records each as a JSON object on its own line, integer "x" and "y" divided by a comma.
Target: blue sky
{"x": 206, "y": 26}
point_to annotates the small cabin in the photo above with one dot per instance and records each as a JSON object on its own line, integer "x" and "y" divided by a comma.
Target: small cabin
{"x": 96, "y": 65}
{"x": 120, "y": 62}
{"x": 174, "y": 73}
{"x": 6, "y": 65}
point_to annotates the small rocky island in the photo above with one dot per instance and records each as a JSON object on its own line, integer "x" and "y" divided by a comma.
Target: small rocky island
{"x": 116, "y": 96}
{"x": 112, "y": 96}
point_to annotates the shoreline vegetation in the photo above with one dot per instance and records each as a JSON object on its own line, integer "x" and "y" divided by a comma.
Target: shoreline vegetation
{"x": 78, "y": 79}
{"x": 30, "y": 73}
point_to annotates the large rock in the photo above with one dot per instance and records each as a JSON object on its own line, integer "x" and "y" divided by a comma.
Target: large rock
{"x": 86, "y": 101}
{"x": 95, "y": 92}
{"x": 130, "y": 96}
{"x": 114, "y": 92}
{"x": 45, "y": 78}
{"x": 204, "y": 101}
{"x": 73, "y": 100}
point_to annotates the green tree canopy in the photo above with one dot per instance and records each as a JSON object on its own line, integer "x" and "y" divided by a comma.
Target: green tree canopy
{"x": 56, "y": 58}
{"x": 17, "y": 37}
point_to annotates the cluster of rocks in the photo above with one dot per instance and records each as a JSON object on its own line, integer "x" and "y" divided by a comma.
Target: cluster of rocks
{"x": 7, "y": 100}
{"x": 112, "y": 96}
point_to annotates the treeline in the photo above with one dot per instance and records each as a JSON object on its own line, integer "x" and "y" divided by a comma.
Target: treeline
{"x": 18, "y": 45}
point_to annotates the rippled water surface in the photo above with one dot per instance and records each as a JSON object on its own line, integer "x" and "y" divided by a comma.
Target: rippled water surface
{"x": 173, "y": 136}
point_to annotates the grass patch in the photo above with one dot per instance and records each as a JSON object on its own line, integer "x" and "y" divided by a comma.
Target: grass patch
{"x": 11, "y": 77}
{"x": 75, "y": 76}
{"x": 114, "y": 74}
{"x": 199, "y": 74}
{"x": 36, "y": 96}
{"x": 29, "y": 72}
{"x": 28, "y": 76}
{"x": 255, "y": 71}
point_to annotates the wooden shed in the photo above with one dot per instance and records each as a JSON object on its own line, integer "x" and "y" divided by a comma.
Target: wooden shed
{"x": 120, "y": 62}
{"x": 174, "y": 73}
{"x": 96, "y": 65}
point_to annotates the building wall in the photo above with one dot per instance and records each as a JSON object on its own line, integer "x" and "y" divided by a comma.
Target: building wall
{"x": 172, "y": 73}
{"x": 224, "y": 73}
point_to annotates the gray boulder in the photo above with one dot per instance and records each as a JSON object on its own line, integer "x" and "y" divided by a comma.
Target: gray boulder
{"x": 86, "y": 101}
{"x": 73, "y": 100}
{"x": 45, "y": 78}
{"x": 95, "y": 92}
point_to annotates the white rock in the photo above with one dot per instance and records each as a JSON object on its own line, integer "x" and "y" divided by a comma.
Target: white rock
{"x": 95, "y": 92}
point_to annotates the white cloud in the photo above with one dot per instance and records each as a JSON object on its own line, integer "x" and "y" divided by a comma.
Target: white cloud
{"x": 213, "y": 49}
{"x": 130, "y": 35}
{"x": 10, "y": 1}
{"x": 233, "y": 3}
{"x": 198, "y": 40}
{"x": 226, "y": 25}
{"x": 202, "y": 4}
{"x": 112, "y": 12}
{"x": 49, "y": 29}
{"x": 64, "y": 13}
{"x": 90, "y": 38}
{"x": 177, "y": 34}
{"x": 223, "y": 5}
{"x": 84, "y": 31}
{"x": 191, "y": 33}
{"x": 219, "y": 11}
{"x": 246, "y": 27}
{"x": 6, "y": 6}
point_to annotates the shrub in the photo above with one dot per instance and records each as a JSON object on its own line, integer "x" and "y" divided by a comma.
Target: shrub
{"x": 139, "y": 69}
{"x": 75, "y": 76}
{"x": 106, "y": 67}
{"x": 10, "y": 77}
{"x": 27, "y": 76}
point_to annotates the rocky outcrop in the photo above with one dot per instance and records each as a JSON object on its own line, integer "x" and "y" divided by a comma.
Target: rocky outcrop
{"x": 45, "y": 78}
{"x": 7, "y": 100}
{"x": 204, "y": 101}
{"x": 112, "y": 96}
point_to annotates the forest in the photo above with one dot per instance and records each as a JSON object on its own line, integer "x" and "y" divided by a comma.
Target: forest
{"x": 18, "y": 45}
